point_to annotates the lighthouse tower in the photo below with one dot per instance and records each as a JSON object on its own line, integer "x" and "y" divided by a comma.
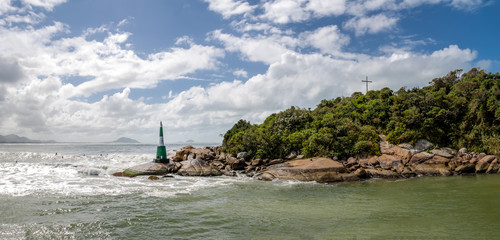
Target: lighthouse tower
{"x": 161, "y": 152}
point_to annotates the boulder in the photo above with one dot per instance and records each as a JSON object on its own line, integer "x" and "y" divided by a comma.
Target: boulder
{"x": 182, "y": 153}
{"x": 352, "y": 161}
{"x": 321, "y": 170}
{"x": 444, "y": 152}
{"x": 292, "y": 155}
{"x": 361, "y": 173}
{"x": 385, "y": 146}
{"x": 483, "y": 163}
{"x": 421, "y": 157}
{"x": 405, "y": 172}
{"x": 462, "y": 151}
{"x": 256, "y": 162}
{"x": 494, "y": 166}
{"x": 218, "y": 164}
{"x": 189, "y": 153}
{"x": 406, "y": 146}
{"x": 422, "y": 145}
{"x": 275, "y": 161}
{"x": 432, "y": 170}
{"x": 388, "y": 161}
{"x": 222, "y": 156}
{"x": 402, "y": 152}
{"x": 243, "y": 155}
{"x": 236, "y": 163}
{"x": 438, "y": 160}
{"x": 465, "y": 168}
{"x": 150, "y": 168}
{"x": 153, "y": 178}
{"x": 381, "y": 173}
{"x": 174, "y": 167}
{"x": 198, "y": 167}
{"x": 368, "y": 162}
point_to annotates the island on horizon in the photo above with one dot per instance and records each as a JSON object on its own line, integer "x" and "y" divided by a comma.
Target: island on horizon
{"x": 125, "y": 140}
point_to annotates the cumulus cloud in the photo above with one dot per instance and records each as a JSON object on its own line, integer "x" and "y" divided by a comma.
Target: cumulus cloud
{"x": 285, "y": 11}
{"x": 10, "y": 71}
{"x": 109, "y": 64}
{"x": 229, "y": 8}
{"x": 373, "y": 24}
{"x": 328, "y": 39}
{"x": 266, "y": 49}
{"x": 302, "y": 69}
{"x": 321, "y": 8}
{"x": 240, "y": 73}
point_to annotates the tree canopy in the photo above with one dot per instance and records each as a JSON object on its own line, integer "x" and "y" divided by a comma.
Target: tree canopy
{"x": 457, "y": 110}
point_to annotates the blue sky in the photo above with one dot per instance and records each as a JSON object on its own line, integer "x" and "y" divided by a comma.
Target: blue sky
{"x": 98, "y": 70}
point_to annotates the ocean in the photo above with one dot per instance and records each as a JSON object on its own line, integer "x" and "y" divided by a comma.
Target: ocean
{"x": 67, "y": 191}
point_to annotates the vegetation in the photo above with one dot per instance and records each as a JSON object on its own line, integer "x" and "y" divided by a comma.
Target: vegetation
{"x": 457, "y": 110}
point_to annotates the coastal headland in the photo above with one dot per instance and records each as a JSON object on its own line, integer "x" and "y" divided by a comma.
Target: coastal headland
{"x": 396, "y": 161}
{"x": 451, "y": 127}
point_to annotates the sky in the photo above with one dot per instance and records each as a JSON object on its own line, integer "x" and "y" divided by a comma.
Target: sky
{"x": 97, "y": 70}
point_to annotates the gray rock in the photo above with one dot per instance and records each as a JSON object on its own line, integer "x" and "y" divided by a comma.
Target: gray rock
{"x": 462, "y": 151}
{"x": 243, "y": 155}
{"x": 406, "y": 146}
{"x": 292, "y": 155}
{"x": 146, "y": 169}
{"x": 444, "y": 152}
{"x": 423, "y": 145}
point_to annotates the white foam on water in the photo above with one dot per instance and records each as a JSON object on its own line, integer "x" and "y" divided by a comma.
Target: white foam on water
{"x": 23, "y": 173}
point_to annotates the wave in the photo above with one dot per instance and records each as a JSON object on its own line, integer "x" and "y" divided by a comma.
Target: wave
{"x": 25, "y": 173}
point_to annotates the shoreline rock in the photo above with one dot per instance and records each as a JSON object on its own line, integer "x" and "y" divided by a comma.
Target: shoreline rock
{"x": 395, "y": 161}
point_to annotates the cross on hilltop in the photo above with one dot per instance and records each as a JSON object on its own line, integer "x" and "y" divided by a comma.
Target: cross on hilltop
{"x": 366, "y": 81}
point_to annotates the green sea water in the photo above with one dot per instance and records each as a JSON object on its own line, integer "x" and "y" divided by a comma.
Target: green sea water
{"x": 77, "y": 198}
{"x": 420, "y": 208}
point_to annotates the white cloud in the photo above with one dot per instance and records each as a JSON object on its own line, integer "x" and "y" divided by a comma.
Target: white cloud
{"x": 47, "y": 4}
{"x": 328, "y": 39}
{"x": 285, "y": 11}
{"x": 374, "y": 24}
{"x": 240, "y": 73}
{"x": 303, "y": 80}
{"x": 322, "y": 8}
{"x": 229, "y": 8}
{"x": 266, "y": 49}
{"x": 38, "y": 65}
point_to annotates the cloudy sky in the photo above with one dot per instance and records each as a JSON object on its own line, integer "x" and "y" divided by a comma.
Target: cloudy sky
{"x": 96, "y": 70}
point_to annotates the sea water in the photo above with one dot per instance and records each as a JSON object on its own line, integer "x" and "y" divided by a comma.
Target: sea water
{"x": 73, "y": 195}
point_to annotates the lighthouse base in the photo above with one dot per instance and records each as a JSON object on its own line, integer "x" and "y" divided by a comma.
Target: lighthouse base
{"x": 161, "y": 160}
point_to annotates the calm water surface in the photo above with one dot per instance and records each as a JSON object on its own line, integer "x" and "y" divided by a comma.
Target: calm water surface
{"x": 73, "y": 195}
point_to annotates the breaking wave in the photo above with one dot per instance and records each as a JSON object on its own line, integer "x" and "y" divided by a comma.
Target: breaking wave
{"x": 26, "y": 173}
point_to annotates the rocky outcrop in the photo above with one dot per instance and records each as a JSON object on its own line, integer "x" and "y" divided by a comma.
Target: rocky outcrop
{"x": 321, "y": 170}
{"x": 151, "y": 168}
{"x": 198, "y": 167}
{"x": 396, "y": 161}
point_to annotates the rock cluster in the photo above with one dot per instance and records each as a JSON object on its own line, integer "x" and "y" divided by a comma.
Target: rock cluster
{"x": 396, "y": 161}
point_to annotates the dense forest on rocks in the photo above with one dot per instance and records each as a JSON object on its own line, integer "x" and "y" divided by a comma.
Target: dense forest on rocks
{"x": 457, "y": 110}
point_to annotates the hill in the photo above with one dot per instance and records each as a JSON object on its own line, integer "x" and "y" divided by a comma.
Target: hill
{"x": 12, "y": 138}
{"x": 457, "y": 110}
{"x": 125, "y": 140}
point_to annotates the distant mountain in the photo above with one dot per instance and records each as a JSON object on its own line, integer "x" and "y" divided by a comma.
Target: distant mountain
{"x": 12, "y": 138}
{"x": 125, "y": 140}
{"x": 190, "y": 141}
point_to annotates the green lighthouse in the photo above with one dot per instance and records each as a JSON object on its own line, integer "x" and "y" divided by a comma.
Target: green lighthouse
{"x": 161, "y": 152}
